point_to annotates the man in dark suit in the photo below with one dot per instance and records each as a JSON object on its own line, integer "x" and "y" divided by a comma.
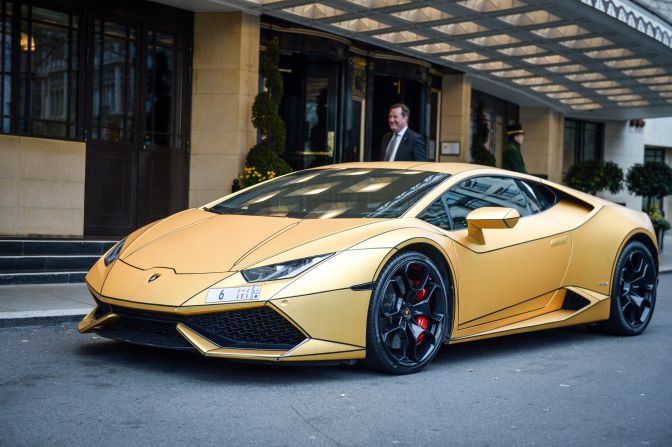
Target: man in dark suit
{"x": 401, "y": 143}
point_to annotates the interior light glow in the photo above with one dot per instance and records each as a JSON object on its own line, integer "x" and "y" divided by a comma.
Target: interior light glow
{"x": 661, "y": 88}
{"x": 665, "y": 94}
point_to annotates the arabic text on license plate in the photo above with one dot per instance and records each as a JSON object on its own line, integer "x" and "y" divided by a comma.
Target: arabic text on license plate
{"x": 233, "y": 294}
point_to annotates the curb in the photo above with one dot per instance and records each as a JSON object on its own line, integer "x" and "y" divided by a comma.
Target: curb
{"x": 41, "y": 318}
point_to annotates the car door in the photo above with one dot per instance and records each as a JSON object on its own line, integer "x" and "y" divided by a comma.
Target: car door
{"x": 515, "y": 265}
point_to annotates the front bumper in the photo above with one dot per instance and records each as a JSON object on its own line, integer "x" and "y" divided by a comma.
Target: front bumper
{"x": 261, "y": 331}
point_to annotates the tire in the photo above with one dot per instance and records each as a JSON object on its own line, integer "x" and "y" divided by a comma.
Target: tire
{"x": 633, "y": 295}
{"x": 409, "y": 314}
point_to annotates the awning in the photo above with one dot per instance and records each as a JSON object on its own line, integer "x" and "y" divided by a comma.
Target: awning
{"x": 594, "y": 59}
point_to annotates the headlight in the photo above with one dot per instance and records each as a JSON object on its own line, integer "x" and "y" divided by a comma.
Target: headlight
{"x": 282, "y": 271}
{"x": 114, "y": 253}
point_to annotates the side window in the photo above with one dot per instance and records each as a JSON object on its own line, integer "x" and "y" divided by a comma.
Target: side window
{"x": 435, "y": 214}
{"x": 479, "y": 192}
{"x": 539, "y": 197}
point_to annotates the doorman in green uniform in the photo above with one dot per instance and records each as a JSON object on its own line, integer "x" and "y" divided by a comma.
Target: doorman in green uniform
{"x": 512, "y": 159}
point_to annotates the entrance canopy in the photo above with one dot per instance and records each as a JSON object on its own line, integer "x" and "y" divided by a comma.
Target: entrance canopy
{"x": 594, "y": 59}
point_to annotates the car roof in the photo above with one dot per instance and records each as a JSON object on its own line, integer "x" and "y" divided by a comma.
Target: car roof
{"x": 446, "y": 168}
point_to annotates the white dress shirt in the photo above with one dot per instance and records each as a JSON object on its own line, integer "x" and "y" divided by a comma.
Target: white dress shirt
{"x": 398, "y": 140}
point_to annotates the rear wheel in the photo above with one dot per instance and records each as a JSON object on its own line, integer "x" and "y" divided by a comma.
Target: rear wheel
{"x": 633, "y": 294}
{"x": 408, "y": 316}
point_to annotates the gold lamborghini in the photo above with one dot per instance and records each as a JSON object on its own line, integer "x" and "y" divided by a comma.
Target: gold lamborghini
{"x": 378, "y": 262}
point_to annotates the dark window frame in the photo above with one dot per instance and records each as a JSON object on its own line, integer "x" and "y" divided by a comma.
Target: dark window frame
{"x": 580, "y": 139}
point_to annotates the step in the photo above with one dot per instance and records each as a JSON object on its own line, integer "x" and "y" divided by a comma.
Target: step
{"x": 42, "y": 278}
{"x": 46, "y": 263}
{"x": 17, "y": 247}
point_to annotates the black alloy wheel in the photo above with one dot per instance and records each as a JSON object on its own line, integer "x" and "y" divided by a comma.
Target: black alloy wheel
{"x": 633, "y": 294}
{"x": 408, "y": 314}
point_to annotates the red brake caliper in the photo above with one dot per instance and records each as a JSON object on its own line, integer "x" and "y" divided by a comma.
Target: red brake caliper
{"x": 421, "y": 320}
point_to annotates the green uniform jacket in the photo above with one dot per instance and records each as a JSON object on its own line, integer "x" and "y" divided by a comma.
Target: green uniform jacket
{"x": 512, "y": 159}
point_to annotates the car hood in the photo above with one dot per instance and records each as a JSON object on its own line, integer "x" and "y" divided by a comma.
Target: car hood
{"x": 196, "y": 241}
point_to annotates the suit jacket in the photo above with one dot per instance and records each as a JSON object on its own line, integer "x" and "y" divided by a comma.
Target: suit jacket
{"x": 411, "y": 148}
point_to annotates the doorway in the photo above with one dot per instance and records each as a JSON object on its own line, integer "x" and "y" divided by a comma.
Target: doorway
{"x": 387, "y": 91}
{"x": 136, "y": 127}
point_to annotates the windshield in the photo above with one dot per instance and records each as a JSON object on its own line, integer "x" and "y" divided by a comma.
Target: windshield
{"x": 335, "y": 193}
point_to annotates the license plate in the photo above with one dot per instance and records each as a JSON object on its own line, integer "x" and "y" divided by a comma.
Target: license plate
{"x": 230, "y": 294}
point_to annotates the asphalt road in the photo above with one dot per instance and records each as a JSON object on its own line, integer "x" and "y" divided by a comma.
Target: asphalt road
{"x": 559, "y": 387}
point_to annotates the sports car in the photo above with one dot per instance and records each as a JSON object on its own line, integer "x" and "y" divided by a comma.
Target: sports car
{"x": 377, "y": 262}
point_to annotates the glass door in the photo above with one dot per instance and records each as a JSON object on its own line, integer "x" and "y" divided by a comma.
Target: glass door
{"x": 136, "y": 163}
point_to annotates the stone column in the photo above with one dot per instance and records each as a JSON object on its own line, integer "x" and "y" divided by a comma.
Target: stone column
{"x": 542, "y": 150}
{"x": 455, "y": 115}
{"x": 226, "y": 80}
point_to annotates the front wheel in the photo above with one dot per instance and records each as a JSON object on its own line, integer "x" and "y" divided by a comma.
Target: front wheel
{"x": 408, "y": 315}
{"x": 633, "y": 294}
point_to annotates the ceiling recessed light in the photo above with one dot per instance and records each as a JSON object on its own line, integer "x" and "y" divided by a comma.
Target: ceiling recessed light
{"x": 497, "y": 65}
{"x": 532, "y": 81}
{"x": 653, "y": 71}
{"x": 491, "y": 41}
{"x": 571, "y": 68}
{"x": 563, "y": 95}
{"x": 559, "y": 32}
{"x": 601, "y": 84}
{"x": 525, "y": 50}
{"x": 427, "y": 14}
{"x": 628, "y": 63}
{"x": 609, "y": 54}
{"x": 512, "y": 73}
{"x": 361, "y": 25}
{"x": 633, "y": 103}
{"x": 546, "y": 60}
{"x": 579, "y": 77}
{"x": 624, "y": 98}
{"x": 461, "y": 28}
{"x": 591, "y": 106}
{"x": 314, "y": 11}
{"x": 400, "y": 37}
{"x": 656, "y": 80}
{"x": 537, "y": 17}
{"x": 433, "y": 48}
{"x": 591, "y": 42}
{"x": 464, "y": 57}
{"x": 613, "y": 91}
{"x": 549, "y": 88}
{"x": 491, "y": 5}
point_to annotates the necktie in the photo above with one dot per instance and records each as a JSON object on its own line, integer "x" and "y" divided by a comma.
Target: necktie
{"x": 390, "y": 147}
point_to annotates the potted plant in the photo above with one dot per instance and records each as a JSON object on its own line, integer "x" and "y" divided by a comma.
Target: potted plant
{"x": 652, "y": 180}
{"x": 593, "y": 176}
{"x": 263, "y": 160}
